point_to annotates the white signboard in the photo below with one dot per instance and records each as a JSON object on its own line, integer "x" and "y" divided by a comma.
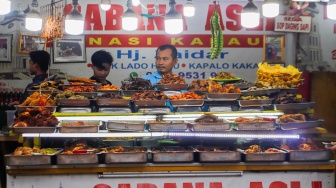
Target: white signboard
{"x": 285, "y": 23}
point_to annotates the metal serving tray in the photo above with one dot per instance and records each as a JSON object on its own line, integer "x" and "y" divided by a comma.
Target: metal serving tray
{"x": 300, "y": 125}
{"x": 266, "y": 125}
{"x": 88, "y": 127}
{"x": 131, "y": 92}
{"x": 223, "y": 96}
{"x": 222, "y": 126}
{"x": 312, "y": 155}
{"x": 70, "y": 159}
{"x": 261, "y": 92}
{"x": 23, "y": 108}
{"x": 243, "y": 86}
{"x": 150, "y": 103}
{"x": 168, "y": 126}
{"x": 175, "y": 154}
{"x": 75, "y": 109}
{"x": 208, "y": 154}
{"x": 73, "y": 102}
{"x": 172, "y": 87}
{"x": 29, "y": 160}
{"x": 127, "y": 156}
{"x": 113, "y": 102}
{"x": 263, "y": 102}
{"x": 125, "y": 125}
{"x": 34, "y": 129}
{"x": 294, "y": 106}
{"x": 265, "y": 157}
{"x": 190, "y": 102}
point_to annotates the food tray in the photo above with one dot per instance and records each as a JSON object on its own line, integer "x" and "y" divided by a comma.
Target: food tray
{"x": 75, "y": 109}
{"x": 172, "y": 87}
{"x": 73, "y": 102}
{"x": 172, "y": 154}
{"x": 28, "y": 160}
{"x": 95, "y": 86}
{"x": 90, "y": 95}
{"x": 169, "y": 126}
{"x": 265, "y": 157}
{"x": 150, "y": 103}
{"x": 34, "y": 129}
{"x": 252, "y": 126}
{"x": 70, "y": 159}
{"x": 23, "y": 108}
{"x": 263, "y": 102}
{"x": 300, "y": 125}
{"x": 261, "y": 92}
{"x": 113, "y": 102}
{"x": 88, "y": 127}
{"x": 128, "y": 156}
{"x": 131, "y": 92}
{"x": 125, "y": 125}
{"x": 221, "y": 126}
{"x": 223, "y": 96}
{"x": 207, "y": 154}
{"x": 243, "y": 86}
{"x": 312, "y": 155}
{"x": 294, "y": 106}
{"x": 190, "y": 102}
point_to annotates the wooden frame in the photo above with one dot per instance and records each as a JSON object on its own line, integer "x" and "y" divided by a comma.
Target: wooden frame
{"x": 273, "y": 51}
{"x": 6, "y": 48}
{"x": 30, "y": 43}
{"x": 69, "y": 49}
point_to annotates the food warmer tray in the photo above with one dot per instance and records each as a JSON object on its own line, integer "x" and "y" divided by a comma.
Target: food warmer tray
{"x": 168, "y": 126}
{"x": 265, "y": 157}
{"x": 172, "y": 154}
{"x": 253, "y": 126}
{"x": 223, "y": 96}
{"x": 190, "y": 102}
{"x": 88, "y": 127}
{"x": 294, "y": 106}
{"x": 29, "y": 160}
{"x": 260, "y": 92}
{"x": 113, "y": 102}
{"x": 309, "y": 155}
{"x": 129, "y": 155}
{"x": 215, "y": 127}
{"x": 75, "y": 109}
{"x": 171, "y": 87}
{"x": 150, "y": 103}
{"x": 73, "y": 102}
{"x": 301, "y": 125}
{"x": 263, "y": 102}
{"x": 217, "y": 154}
{"x": 33, "y": 129}
{"x": 23, "y": 108}
{"x": 71, "y": 159}
{"x": 113, "y": 125}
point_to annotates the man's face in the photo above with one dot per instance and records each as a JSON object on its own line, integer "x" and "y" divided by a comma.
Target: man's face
{"x": 165, "y": 62}
{"x": 101, "y": 74}
{"x": 32, "y": 67}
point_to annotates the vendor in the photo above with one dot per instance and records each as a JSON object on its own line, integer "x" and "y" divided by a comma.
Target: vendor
{"x": 38, "y": 65}
{"x": 101, "y": 66}
{"x": 165, "y": 60}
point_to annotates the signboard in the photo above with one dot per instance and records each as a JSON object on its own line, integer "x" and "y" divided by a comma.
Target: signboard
{"x": 182, "y": 180}
{"x": 285, "y": 23}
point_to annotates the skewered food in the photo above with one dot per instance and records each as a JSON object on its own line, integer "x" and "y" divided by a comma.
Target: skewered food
{"x": 81, "y": 81}
{"x": 208, "y": 118}
{"x": 172, "y": 79}
{"x": 287, "y": 118}
{"x": 36, "y": 117}
{"x": 185, "y": 96}
{"x": 36, "y": 99}
{"x": 136, "y": 84}
{"x": 149, "y": 95}
{"x": 108, "y": 87}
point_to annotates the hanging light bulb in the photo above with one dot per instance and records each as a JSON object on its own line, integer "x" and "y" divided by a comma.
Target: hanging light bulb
{"x": 250, "y": 15}
{"x": 173, "y": 20}
{"x": 5, "y": 7}
{"x": 331, "y": 10}
{"x": 33, "y": 21}
{"x": 129, "y": 19}
{"x": 189, "y": 9}
{"x": 74, "y": 23}
{"x": 270, "y": 8}
{"x": 136, "y": 2}
{"x": 105, "y": 5}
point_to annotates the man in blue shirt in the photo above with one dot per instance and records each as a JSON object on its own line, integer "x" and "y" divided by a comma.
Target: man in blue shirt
{"x": 165, "y": 60}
